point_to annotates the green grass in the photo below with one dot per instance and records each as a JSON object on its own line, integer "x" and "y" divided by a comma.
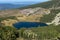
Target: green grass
{"x": 49, "y": 17}
{"x": 47, "y": 4}
{"x": 10, "y": 17}
{"x": 7, "y": 33}
{"x": 47, "y": 32}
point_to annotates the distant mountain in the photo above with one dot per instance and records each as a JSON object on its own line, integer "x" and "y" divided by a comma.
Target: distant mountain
{"x": 10, "y": 6}
{"x": 4, "y": 6}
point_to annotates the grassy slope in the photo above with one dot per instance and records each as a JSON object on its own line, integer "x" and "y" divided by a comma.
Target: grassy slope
{"x": 47, "y": 4}
{"x": 48, "y": 32}
{"x": 49, "y": 17}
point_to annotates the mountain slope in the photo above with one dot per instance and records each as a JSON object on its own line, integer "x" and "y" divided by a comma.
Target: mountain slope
{"x": 47, "y": 4}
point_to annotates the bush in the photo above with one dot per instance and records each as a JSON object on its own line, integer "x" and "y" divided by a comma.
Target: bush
{"x": 46, "y": 32}
{"x": 7, "y": 33}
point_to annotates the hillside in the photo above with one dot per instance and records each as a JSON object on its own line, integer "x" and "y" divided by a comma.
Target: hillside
{"x": 34, "y": 13}
{"x": 40, "y": 12}
{"x": 8, "y": 17}
{"x": 47, "y": 4}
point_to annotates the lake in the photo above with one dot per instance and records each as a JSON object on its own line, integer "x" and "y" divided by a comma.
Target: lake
{"x": 28, "y": 24}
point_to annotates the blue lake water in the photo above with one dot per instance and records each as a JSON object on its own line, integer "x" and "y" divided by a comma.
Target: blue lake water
{"x": 28, "y": 24}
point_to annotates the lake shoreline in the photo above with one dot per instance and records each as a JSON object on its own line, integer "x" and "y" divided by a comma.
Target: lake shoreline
{"x": 28, "y": 24}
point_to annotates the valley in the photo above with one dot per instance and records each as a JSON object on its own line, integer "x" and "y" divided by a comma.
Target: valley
{"x": 47, "y": 13}
{"x": 26, "y": 15}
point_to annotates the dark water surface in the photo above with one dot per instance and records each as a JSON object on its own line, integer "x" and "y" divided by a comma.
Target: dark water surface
{"x": 28, "y": 24}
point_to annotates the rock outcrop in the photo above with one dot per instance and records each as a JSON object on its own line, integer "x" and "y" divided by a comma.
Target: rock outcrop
{"x": 56, "y": 20}
{"x": 37, "y": 10}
